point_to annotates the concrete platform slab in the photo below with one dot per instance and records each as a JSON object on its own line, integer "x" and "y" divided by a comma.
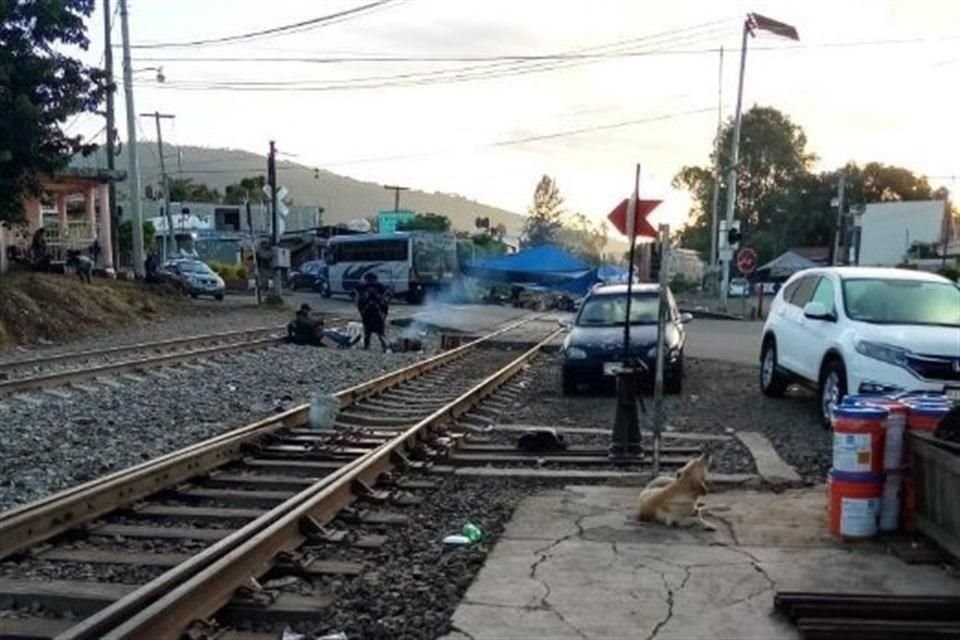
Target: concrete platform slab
{"x": 771, "y": 467}
{"x": 574, "y": 563}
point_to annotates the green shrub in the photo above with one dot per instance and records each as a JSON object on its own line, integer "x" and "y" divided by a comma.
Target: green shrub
{"x": 229, "y": 271}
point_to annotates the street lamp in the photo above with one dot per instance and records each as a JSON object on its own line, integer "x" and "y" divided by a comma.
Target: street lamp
{"x": 754, "y": 22}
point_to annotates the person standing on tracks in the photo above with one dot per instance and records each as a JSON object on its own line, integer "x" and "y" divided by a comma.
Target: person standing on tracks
{"x": 373, "y": 302}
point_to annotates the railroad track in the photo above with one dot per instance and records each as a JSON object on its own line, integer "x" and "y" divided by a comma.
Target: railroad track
{"x": 188, "y": 541}
{"x": 62, "y": 369}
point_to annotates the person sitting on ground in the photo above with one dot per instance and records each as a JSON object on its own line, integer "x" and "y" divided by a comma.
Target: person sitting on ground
{"x": 302, "y": 329}
{"x": 373, "y": 304}
{"x": 305, "y": 330}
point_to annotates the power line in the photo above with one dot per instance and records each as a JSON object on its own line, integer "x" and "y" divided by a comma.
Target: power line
{"x": 287, "y": 29}
{"x": 533, "y": 138}
{"x": 494, "y": 144}
{"x": 385, "y": 58}
{"x": 459, "y": 74}
{"x": 469, "y": 73}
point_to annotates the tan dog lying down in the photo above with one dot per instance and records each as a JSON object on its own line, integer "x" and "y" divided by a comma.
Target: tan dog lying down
{"x": 677, "y": 501}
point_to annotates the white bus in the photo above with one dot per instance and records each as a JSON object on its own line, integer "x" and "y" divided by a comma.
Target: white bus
{"x": 408, "y": 264}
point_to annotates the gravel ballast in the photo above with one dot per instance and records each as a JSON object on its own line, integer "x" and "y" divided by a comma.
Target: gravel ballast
{"x": 48, "y": 443}
{"x": 197, "y": 320}
{"x": 718, "y": 398}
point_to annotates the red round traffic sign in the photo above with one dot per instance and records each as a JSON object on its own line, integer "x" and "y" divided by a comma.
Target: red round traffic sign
{"x": 746, "y": 260}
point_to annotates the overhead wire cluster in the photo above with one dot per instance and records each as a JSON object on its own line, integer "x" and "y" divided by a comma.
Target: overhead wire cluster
{"x": 480, "y": 68}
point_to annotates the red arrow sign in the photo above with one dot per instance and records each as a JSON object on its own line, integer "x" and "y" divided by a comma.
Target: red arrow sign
{"x": 746, "y": 260}
{"x": 618, "y": 217}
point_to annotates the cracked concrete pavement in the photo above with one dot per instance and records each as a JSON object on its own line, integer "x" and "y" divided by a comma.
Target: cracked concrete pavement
{"x": 573, "y": 563}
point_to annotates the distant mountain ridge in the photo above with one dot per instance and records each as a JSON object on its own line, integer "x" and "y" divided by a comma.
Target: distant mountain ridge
{"x": 342, "y": 198}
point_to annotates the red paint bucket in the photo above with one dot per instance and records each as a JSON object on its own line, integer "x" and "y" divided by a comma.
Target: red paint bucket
{"x": 854, "y": 501}
{"x": 858, "y": 439}
{"x": 895, "y": 427}
{"x": 925, "y": 416}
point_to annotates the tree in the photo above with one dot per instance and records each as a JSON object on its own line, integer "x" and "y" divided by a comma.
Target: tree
{"x": 780, "y": 202}
{"x": 40, "y": 87}
{"x": 247, "y": 189}
{"x": 584, "y": 239}
{"x": 544, "y": 217}
{"x": 773, "y": 162}
{"x": 125, "y": 236}
{"x": 186, "y": 190}
{"x": 426, "y": 222}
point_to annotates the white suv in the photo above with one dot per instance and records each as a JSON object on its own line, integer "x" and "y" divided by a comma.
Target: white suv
{"x": 862, "y": 330}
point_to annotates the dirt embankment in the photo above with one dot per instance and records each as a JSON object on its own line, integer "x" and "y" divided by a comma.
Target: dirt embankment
{"x": 47, "y": 307}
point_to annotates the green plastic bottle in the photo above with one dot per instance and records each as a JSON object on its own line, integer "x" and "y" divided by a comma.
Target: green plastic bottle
{"x": 472, "y": 532}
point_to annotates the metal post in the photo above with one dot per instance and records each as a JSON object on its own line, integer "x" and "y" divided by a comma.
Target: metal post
{"x": 625, "y": 439}
{"x": 715, "y": 204}
{"x": 838, "y": 230}
{"x": 133, "y": 158}
{"x": 111, "y": 132}
{"x": 253, "y": 246}
{"x": 734, "y": 160}
{"x": 396, "y": 195}
{"x": 164, "y": 183}
{"x": 663, "y": 309}
{"x": 272, "y": 177}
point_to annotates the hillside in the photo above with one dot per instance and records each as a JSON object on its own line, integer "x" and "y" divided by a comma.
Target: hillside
{"x": 343, "y": 198}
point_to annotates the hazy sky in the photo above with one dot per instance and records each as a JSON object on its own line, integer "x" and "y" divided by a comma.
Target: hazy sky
{"x": 870, "y": 80}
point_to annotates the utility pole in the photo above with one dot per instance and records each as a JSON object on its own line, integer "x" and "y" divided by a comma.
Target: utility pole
{"x": 133, "y": 180}
{"x": 157, "y": 116}
{"x": 838, "y": 230}
{"x": 663, "y": 309}
{"x": 734, "y": 160}
{"x": 718, "y": 175}
{"x": 111, "y": 133}
{"x": 272, "y": 178}
{"x": 752, "y": 22}
{"x": 396, "y": 195}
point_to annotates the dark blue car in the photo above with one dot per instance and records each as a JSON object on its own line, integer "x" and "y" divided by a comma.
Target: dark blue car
{"x": 594, "y": 347}
{"x": 311, "y": 275}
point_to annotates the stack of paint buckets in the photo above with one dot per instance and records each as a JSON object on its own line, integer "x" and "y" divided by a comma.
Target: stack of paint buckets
{"x": 870, "y": 487}
{"x": 925, "y": 411}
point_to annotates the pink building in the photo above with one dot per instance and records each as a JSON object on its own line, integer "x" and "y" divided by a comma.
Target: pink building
{"x": 74, "y": 210}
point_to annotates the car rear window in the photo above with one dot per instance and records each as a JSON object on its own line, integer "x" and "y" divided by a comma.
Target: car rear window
{"x": 611, "y": 310}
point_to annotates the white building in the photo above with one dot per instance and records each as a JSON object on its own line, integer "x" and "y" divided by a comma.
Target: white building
{"x": 890, "y": 229}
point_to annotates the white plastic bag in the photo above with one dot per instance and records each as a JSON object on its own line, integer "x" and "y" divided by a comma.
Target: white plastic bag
{"x": 323, "y": 411}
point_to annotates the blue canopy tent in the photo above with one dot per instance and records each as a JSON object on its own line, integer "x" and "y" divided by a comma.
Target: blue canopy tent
{"x": 546, "y": 266}
{"x": 612, "y": 274}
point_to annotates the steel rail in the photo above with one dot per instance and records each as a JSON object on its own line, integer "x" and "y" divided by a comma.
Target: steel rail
{"x": 196, "y": 589}
{"x": 139, "y": 346}
{"x": 24, "y": 526}
{"x": 57, "y": 378}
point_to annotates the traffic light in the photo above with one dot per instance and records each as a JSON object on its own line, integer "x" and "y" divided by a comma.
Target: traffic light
{"x": 655, "y": 261}
{"x": 733, "y": 235}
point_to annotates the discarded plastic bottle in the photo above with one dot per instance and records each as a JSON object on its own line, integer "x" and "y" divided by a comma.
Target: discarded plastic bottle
{"x": 472, "y": 532}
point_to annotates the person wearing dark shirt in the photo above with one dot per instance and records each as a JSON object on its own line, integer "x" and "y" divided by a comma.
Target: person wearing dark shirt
{"x": 373, "y": 305}
{"x": 305, "y": 330}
